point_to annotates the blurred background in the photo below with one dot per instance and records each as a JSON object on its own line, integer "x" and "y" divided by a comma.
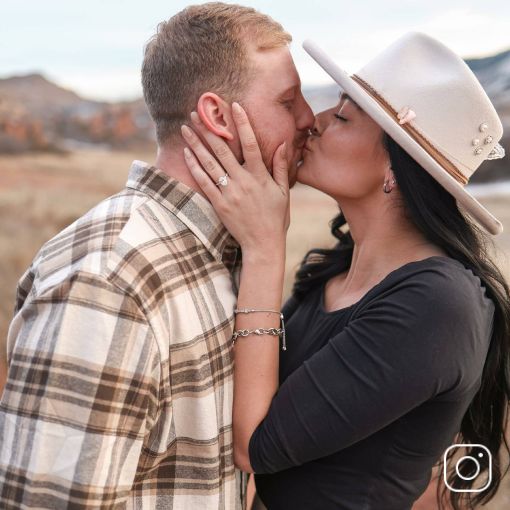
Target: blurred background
{"x": 72, "y": 118}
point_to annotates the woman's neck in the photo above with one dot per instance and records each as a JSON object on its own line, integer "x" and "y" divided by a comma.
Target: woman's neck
{"x": 383, "y": 242}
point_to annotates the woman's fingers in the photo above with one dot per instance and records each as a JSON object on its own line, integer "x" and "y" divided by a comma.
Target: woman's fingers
{"x": 203, "y": 180}
{"x": 218, "y": 146}
{"x": 281, "y": 168}
{"x": 249, "y": 144}
{"x": 207, "y": 160}
{"x": 281, "y": 176}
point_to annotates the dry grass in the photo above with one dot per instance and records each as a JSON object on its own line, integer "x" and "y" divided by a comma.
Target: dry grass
{"x": 41, "y": 194}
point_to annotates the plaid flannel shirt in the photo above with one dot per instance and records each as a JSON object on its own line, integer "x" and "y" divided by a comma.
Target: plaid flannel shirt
{"x": 120, "y": 382}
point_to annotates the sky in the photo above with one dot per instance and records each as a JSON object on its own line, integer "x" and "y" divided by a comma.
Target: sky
{"x": 95, "y": 47}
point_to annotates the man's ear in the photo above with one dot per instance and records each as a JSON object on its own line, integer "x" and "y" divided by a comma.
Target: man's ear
{"x": 216, "y": 114}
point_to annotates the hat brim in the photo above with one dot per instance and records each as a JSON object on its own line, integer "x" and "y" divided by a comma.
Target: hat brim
{"x": 372, "y": 108}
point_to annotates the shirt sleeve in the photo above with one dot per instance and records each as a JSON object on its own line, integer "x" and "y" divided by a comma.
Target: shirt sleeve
{"x": 81, "y": 395}
{"x": 392, "y": 357}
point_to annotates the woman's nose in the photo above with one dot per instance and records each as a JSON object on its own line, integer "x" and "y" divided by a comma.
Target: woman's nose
{"x": 322, "y": 120}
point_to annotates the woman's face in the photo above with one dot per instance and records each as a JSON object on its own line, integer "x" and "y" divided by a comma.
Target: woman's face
{"x": 345, "y": 157}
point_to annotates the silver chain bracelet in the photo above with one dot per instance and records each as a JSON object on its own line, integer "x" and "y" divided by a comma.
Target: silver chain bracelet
{"x": 258, "y": 331}
{"x": 270, "y": 331}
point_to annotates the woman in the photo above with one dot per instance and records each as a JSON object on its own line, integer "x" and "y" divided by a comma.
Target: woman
{"x": 398, "y": 338}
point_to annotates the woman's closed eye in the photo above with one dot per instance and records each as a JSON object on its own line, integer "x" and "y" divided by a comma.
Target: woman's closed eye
{"x": 339, "y": 117}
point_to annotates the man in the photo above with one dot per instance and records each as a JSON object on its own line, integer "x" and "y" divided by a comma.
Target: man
{"x": 120, "y": 384}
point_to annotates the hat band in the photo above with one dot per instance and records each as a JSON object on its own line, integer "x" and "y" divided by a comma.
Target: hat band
{"x": 414, "y": 134}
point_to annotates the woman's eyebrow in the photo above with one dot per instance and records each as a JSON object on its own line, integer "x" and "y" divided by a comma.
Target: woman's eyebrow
{"x": 346, "y": 97}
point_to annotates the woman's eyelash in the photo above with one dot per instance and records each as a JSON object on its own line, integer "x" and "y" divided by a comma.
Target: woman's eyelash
{"x": 340, "y": 117}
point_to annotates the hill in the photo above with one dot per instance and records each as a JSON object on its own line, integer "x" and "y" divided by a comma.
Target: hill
{"x": 37, "y": 114}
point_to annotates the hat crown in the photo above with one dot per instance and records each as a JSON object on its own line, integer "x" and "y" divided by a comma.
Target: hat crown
{"x": 452, "y": 111}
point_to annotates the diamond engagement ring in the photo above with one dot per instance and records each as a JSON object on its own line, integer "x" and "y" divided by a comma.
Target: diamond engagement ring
{"x": 222, "y": 181}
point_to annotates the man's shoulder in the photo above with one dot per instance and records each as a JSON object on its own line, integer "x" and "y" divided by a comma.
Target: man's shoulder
{"x": 83, "y": 243}
{"x": 122, "y": 234}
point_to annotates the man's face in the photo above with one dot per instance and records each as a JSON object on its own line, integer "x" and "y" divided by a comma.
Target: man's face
{"x": 276, "y": 107}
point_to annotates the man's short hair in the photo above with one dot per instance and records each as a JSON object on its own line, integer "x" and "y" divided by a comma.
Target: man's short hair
{"x": 202, "y": 48}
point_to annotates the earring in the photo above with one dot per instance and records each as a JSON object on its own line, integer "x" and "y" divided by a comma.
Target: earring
{"x": 385, "y": 189}
{"x": 391, "y": 170}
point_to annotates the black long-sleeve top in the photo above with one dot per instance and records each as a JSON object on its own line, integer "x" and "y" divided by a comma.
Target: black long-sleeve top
{"x": 371, "y": 395}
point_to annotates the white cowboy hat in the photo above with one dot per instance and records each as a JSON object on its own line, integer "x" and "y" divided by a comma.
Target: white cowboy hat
{"x": 428, "y": 100}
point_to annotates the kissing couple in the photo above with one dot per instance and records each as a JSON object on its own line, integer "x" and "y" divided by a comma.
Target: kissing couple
{"x": 152, "y": 361}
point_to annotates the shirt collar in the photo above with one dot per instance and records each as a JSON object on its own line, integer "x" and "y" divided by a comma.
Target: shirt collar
{"x": 185, "y": 203}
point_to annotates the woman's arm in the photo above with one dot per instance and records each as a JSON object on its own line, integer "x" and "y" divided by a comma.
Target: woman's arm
{"x": 256, "y": 358}
{"x": 259, "y": 221}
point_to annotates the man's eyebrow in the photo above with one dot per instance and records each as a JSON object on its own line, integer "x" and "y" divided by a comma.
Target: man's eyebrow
{"x": 289, "y": 89}
{"x": 347, "y": 97}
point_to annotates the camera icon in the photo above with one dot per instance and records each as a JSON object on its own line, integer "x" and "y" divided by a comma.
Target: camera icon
{"x": 474, "y": 458}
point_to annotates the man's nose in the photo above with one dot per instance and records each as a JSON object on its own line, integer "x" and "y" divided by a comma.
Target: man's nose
{"x": 306, "y": 118}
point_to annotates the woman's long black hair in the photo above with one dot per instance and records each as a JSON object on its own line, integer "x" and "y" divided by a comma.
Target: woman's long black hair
{"x": 435, "y": 213}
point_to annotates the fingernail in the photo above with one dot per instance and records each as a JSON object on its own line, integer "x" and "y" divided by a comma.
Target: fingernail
{"x": 186, "y": 131}
{"x": 237, "y": 107}
{"x": 195, "y": 118}
{"x": 187, "y": 153}
{"x": 284, "y": 149}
